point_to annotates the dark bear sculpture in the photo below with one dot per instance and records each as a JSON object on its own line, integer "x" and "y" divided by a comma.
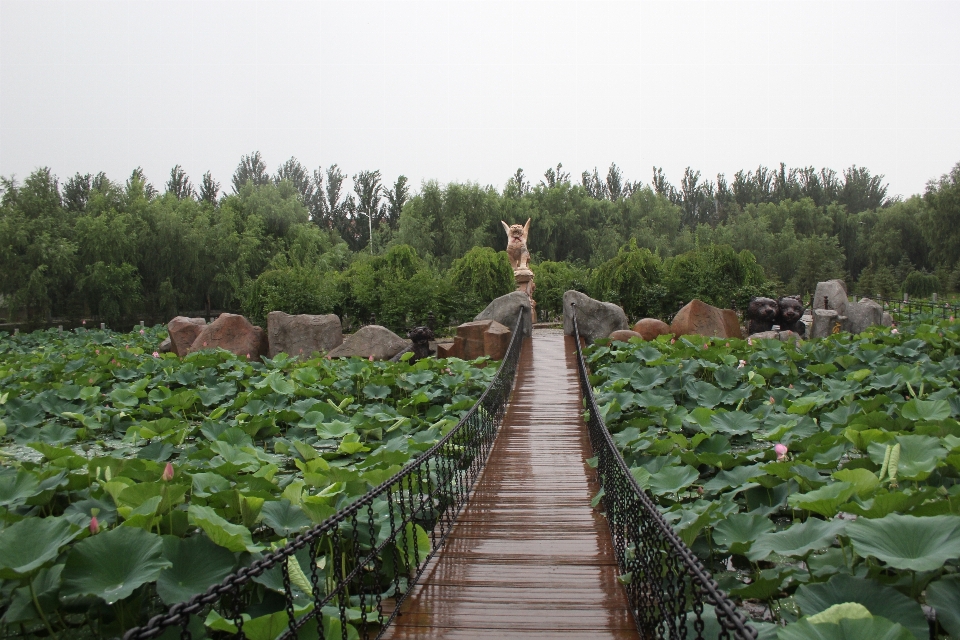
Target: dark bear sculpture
{"x": 761, "y": 315}
{"x": 421, "y": 337}
{"x": 788, "y": 317}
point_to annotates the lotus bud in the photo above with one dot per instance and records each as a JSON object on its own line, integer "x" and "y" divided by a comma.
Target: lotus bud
{"x": 156, "y": 354}
{"x": 781, "y": 450}
{"x": 94, "y": 525}
{"x": 742, "y": 364}
{"x": 370, "y": 358}
{"x": 167, "y": 475}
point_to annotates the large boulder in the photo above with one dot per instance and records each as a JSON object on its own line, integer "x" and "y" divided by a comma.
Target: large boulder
{"x": 233, "y": 333}
{"x": 505, "y": 310}
{"x": 861, "y": 315}
{"x": 595, "y": 319}
{"x": 651, "y": 328}
{"x": 835, "y": 292}
{"x": 302, "y": 335}
{"x": 371, "y": 340}
{"x": 700, "y": 318}
{"x": 183, "y": 331}
{"x": 624, "y": 335}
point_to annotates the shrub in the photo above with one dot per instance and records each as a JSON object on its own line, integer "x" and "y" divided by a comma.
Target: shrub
{"x": 921, "y": 284}
{"x": 717, "y": 275}
{"x": 633, "y": 280}
{"x": 292, "y": 290}
{"x": 481, "y": 275}
{"x": 553, "y": 279}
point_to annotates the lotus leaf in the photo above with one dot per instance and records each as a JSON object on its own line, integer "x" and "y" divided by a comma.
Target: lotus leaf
{"x": 733, "y": 422}
{"x": 672, "y": 479}
{"x": 944, "y": 596}
{"x": 929, "y": 410}
{"x": 196, "y": 564}
{"x": 873, "y": 628}
{"x": 798, "y": 540}
{"x": 234, "y": 537}
{"x": 878, "y": 599}
{"x": 739, "y": 530}
{"x": 862, "y": 480}
{"x": 284, "y": 518}
{"x": 29, "y": 544}
{"x": 908, "y": 542}
{"x": 16, "y": 488}
{"x": 113, "y": 564}
{"x": 826, "y": 500}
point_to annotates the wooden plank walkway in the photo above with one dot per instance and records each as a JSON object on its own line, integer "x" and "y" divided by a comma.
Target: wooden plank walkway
{"x": 528, "y": 557}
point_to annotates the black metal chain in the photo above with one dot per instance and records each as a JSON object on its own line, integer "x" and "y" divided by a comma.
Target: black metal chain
{"x": 664, "y": 564}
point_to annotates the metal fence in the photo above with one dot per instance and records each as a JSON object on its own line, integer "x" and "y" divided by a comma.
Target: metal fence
{"x": 907, "y": 309}
{"x": 667, "y": 586}
{"x": 348, "y": 576}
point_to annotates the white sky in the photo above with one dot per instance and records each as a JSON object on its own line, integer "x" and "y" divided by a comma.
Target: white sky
{"x": 469, "y": 91}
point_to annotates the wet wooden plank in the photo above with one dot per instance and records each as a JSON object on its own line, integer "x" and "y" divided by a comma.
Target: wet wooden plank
{"x": 528, "y": 557}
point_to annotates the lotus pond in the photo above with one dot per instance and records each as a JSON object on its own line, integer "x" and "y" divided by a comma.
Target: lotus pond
{"x": 820, "y": 482}
{"x": 130, "y": 480}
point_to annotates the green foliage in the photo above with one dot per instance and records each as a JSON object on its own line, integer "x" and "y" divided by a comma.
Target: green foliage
{"x": 921, "y": 285}
{"x": 552, "y": 280}
{"x": 293, "y": 290}
{"x": 258, "y": 451}
{"x": 479, "y": 277}
{"x": 715, "y": 274}
{"x": 785, "y": 443}
{"x": 632, "y": 280}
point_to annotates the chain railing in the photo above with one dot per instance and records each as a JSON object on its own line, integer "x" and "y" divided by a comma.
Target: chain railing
{"x": 666, "y": 584}
{"x": 349, "y": 575}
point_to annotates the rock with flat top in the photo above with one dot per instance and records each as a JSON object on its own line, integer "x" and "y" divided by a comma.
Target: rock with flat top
{"x": 183, "y": 331}
{"x": 233, "y": 333}
{"x": 702, "y": 319}
{"x": 835, "y": 292}
{"x": 302, "y": 335}
{"x": 651, "y": 328}
{"x": 595, "y": 319}
{"x": 505, "y": 310}
{"x": 477, "y": 339}
{"x": 371, "y": 340}
{"x": 861, "y": 315}
{"x": 824, "y": 323}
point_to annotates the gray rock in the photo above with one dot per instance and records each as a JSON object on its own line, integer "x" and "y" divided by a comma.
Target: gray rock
{"x": 302, "y": 335}
{"x": 823, "y": 322}
{"x": 836, "y": 293}
{"x": 595, "y": 319}
{"x": 782, "y": 336}
{"x": 371, "y": 340}
{"x": 166, "y": 346}
{"x": 505, "y": 310}
{"x": 887, "y": 320}
{"x": 861, "y": 315}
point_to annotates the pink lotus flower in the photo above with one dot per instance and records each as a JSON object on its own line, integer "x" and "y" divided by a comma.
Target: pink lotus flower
{"x": 94, "y": 525}
{"x": 248, "y": 356}
{"x": 96, "y": 351}
{"x": 83, "y": 322}
{"x": 204, "y": 343}
{"x": 742, "y": 364}
{"x": 772, "y": 401}
{"x": 672, "y": 340}
{"x": 951, "y": 318}
{"x": 167, "y": 474}
{"x": 728, "y": 344}
{"x": 894, "y": 331}
{"x": 370, "y": 358}
{"x": 706, "y": 346}
{"x": 156, "y": 354}
{"x": 781, "y": 450}
{"x": 750, "y": 341}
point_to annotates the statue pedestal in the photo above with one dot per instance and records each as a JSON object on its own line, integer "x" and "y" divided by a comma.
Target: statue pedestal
{"x": 524, "y": 279}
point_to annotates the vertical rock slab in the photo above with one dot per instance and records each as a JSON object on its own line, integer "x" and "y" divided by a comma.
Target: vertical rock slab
{"x": 469, "y": 340}
{"x": 302, "y": 335}
{"x": 233, "y": 333}
{"x": 183, "y": 331}
{"x": 824, "y": 321}
{"x": 835, "y": 292}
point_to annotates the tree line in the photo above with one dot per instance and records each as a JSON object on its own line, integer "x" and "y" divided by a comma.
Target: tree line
{"x": 321, "y": 240}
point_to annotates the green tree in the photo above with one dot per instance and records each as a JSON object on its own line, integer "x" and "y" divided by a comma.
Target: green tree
{"x": 479, "y": 277}
{"x": 632, "y": 280}
{"x": 253, "y": 169}
{"x": 942, "y": 220}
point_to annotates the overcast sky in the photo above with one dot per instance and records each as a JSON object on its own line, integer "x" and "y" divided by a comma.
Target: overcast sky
{"x": 470, "y": 91}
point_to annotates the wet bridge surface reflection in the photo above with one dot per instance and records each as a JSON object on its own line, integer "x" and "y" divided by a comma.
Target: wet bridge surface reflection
{"x": 528, "y": 557}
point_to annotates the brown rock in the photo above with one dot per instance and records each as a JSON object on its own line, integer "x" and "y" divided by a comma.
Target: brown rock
{"x": 446, "y": 350}
{"x": 700, "y": 318}
{"x": 651, "y": 328}
{"x": 470, "y": 338}
{"x": 233, "y": 333}
{"x": 183, "y": 331}
{"x": 302, "y": 335}
{"x": 624, "y": 335}
{"x": 496, "y": 339}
